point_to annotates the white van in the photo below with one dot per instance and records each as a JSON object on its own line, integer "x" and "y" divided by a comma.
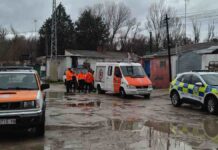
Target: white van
{"x": 122, "y": 78}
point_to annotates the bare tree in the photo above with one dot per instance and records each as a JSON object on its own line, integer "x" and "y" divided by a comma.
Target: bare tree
{"x": 136, "y": 31}
{"x": 115, "y": 16}
{"x": 154, "y": 22}
{"x": 3, "y": 33}
{"x": 120, "y": 17}
{"x": 129, "y": 24}
{"x": 211, "y": 29}
{"x": 196, "y": 30}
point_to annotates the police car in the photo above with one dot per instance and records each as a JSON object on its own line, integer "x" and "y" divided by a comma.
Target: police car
{"x": 196, "y": 88}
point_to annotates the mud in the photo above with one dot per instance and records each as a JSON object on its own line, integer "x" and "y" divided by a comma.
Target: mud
{"x": 106, "y": 122}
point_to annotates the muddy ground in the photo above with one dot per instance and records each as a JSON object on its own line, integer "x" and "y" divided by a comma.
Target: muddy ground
{"x": 107, "y": 122}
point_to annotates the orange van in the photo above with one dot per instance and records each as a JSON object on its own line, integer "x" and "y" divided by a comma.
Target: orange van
{"x": 22, "y": 102}
{"x": 122, "y": 78}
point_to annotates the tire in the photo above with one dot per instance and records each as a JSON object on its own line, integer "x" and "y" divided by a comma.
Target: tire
{"x": 40, "y": 129}
{"x": 122, "y": 93}
{"x": 147, "y": 96}
{"x": 176, "y": 101}
{"x": 99, "y": 90}
{"x": 212, "y": 105}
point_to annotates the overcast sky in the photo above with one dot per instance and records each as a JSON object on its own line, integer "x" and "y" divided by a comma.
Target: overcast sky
{"x": 21, "y": 13}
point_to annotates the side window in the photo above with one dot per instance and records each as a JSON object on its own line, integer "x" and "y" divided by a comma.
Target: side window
{"x": 117, "y": 72}
{"x": 186, "y": 78}
{"x": 109, "y": 71}
{"x": 180, "y": 78}
{"x": 195, "y": 79}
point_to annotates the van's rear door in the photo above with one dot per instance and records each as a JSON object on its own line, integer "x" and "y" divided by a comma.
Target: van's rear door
{"x": 100, "y": 75}
{"x": 109, "y": 79}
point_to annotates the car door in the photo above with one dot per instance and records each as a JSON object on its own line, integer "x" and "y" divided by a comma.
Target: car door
{"x": 184, "y": 86}
{"x": 109, "y": 78}
{"x": 117, "y": 79}
{"x": 198, "y": 91}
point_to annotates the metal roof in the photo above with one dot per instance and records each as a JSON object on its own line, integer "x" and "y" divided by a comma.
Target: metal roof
{"x": 202, "y": 48}
{"x": 98, "y": 54}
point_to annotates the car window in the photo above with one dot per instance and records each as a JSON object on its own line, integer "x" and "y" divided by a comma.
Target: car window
{"x": 180, "y": 78}
{"x": 117, "y": 72}
{"x": 186, "y": 78}
{"x": 211, "y": 79}
{"x": 20, "y": 81}
{"x": 109, "y": 71}
{"x": 195, "y": 79}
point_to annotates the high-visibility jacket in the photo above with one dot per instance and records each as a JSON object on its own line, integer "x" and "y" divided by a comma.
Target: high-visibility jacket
{"x": 69, "y": 75}
{"x": 89, "y": 78}
{"x": 81, "y": 76}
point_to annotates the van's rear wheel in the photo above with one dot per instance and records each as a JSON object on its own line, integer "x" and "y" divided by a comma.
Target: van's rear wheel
{"x": 122, "y": 93}
{"x": 99, "y": 90}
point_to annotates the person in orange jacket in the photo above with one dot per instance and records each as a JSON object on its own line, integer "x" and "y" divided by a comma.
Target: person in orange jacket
{"x": 89, "y": 81}
{"x": 81, "y": 81}
{"x": 74, "y": 81}
{"x": 69, "y": 75}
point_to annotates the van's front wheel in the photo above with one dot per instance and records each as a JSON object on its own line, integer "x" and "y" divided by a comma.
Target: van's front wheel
{"x": 99, "y": 90}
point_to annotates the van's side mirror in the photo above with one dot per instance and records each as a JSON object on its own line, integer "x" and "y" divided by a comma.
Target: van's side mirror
{"x": 45, "y": 86}
{"x": 199, "y": 84}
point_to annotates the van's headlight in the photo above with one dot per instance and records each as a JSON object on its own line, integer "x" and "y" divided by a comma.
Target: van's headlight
{"x": 150, "y": 87}
{"x": 29, "y": 104}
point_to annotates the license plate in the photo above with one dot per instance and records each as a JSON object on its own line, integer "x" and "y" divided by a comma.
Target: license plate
{"x": 7, "y": 121}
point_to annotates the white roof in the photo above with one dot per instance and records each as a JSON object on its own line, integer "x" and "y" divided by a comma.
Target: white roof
{"x": 119, "y": 64}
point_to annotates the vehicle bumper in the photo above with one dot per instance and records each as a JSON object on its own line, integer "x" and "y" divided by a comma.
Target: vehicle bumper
{"x": 138, "y": 91}
{"x": 23, "y": 119}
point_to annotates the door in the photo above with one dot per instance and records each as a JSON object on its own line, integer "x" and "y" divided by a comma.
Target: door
{"x": 185, "y": 87}
{"x": 109, "y": 79}
{"x": 117, "y": 79}
{"x": 198, "y": 91}
{"x": 147, "y": 67}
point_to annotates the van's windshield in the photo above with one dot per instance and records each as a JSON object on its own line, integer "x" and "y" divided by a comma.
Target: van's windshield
{"x": 18, "y": 81}
{"x": 133, "y": 71}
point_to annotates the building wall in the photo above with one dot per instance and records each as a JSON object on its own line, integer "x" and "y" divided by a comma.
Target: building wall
{"x": 207, "y": 58}
{"x": 174, "y": 66}
{"x": 159, "y": 72}
{"x": 56, "y": 69}
{"x": 189, "y": 61}
{"x": 91, "y": 61}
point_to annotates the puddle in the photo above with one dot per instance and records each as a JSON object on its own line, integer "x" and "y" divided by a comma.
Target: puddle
{"x": 204, "y": 136}
{"x": 169, "y": 135}
{"x": 55, "y": 95}
{"x": 85, "y": 104}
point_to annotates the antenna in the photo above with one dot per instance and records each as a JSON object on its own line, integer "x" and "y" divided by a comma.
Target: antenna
{"x": 54, "y": 31}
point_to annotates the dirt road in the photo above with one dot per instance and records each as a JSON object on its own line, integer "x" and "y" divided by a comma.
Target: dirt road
{"x": 107, "y": 122}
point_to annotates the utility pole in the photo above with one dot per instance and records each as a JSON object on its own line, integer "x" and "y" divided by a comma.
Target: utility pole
{"x": 54, "y": 31}
{"x": 185, "y": 18}
{"x": 150, "y": 42}
{"x": 168, "y": 47}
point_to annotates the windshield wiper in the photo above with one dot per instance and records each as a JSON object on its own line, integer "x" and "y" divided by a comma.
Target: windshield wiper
{"x": 3, "y": 89}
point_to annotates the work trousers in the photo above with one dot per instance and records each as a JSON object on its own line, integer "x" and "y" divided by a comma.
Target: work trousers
{"x": 74, "y": 85}
{"x": 68, "y": 86}
{"x": 81, "y": 85}
{"x": 88, "y": 87}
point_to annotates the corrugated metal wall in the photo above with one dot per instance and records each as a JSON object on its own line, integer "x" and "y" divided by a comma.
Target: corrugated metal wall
{"x": 188, "y": 62}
